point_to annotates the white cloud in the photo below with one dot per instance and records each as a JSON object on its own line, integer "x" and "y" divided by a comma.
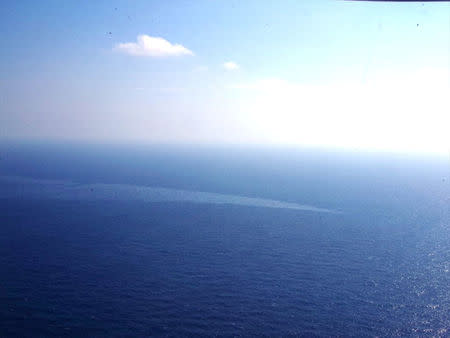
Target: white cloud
{"x": 230, "y": 65}
{"x": 152, "y": 46}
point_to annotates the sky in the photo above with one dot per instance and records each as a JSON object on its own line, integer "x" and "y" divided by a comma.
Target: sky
{"x": 327, "y": 73}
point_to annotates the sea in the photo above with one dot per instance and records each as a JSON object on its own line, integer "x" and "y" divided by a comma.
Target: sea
{"x": 222, "y": 241}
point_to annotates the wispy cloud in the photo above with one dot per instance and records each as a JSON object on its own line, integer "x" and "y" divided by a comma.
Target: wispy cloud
{"x": 152, "y": 46}
{"x": 230, "y": 65}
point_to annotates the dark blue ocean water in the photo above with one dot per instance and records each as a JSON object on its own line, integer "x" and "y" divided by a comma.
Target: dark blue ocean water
{"x": 239, "y": 242}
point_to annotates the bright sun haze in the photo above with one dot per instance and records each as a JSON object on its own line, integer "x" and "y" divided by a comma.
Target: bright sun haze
{"x": 365, "y": 75}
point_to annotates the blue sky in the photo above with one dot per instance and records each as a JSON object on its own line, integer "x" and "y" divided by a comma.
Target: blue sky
{"x": 321, "y": 73}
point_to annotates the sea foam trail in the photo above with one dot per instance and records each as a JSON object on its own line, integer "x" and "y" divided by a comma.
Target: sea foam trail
{"x": 19, "y": 187}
